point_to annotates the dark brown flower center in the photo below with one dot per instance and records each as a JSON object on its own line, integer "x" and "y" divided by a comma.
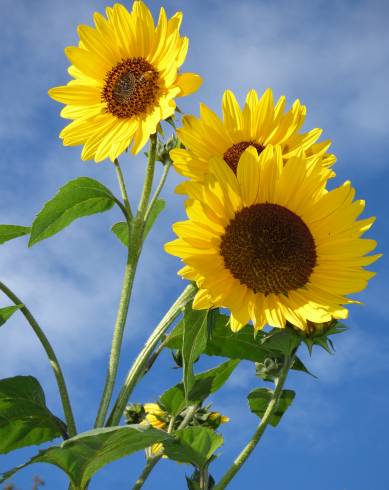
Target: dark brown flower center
{"x": 232, "y": 155}
{"x": 131, "y": 88}
{"x": 269, "y": 249}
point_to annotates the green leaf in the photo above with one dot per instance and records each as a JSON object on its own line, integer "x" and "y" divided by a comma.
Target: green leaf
{"x": 193, "y": 343}
{"x": 83, "y": 455}
{"x": 156, "y": 210}
{"x": 194, "y": 445}
{"x": 212, "y": 380}
{"x": 205, "y": 383}
{"x": 284, "y": 340}
{"x": 76, "y": 199}
{"x": 122, "y": 232}
{"x": 222, "y": 341}
{"x": 260, "y": 397}
{"x": 7, "y": 312}
{"x": 121, "y": 228}
{"x": 24, "y": 418}
{"x": 9, "y": 232}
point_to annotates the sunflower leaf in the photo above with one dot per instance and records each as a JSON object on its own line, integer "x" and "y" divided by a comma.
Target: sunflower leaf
{"x": 156, "y": 210}
{"x": 222, "y": 341}
{"x": 194, "y": 341}
{"x": 7, "y": 312}
{"x": 122, "y": 232}
{"x": 25, "y": 419}
{"x": 205, "y": 383}
{"x": 83, "y": 455}
{"x": 194, "y": 445}
{"x": 76, "y": 199}
{"x": 259, "y": 400}
{"x": 284, "y": 341}
{"x": 9, "y": 232}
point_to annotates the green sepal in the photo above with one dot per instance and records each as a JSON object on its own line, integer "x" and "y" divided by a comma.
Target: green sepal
{"x": 259, "y": 400}
{"x": 25, "y": 419}
{"x": 271, "y": 367}
{"x": 205, "y": 383}
{"x": 194, "y": 445}
{"x": 9, "y": 232}
{"x": 83, "y": 455}
{"x": 319, "y": 335}
{"x": 76, "y": 199}
{"x": 7, "y": 312}
{"x": 163, "y": 149}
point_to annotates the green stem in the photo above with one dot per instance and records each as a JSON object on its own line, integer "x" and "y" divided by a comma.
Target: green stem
{"x": 204, "y": 478}
{"x": 144, "y": 200}
{"x": 151, "y": 462}
{"x": 188, "y": 416}
{"x": 158, "y": 189}
{"x": 245, "y": 453}
{"x": 140, "y": 363}
{"x": 123, "y": 189}
{"x": 134, "y": 250}
{"x": 71, "y": 426}
{"x": 117, "y": 338}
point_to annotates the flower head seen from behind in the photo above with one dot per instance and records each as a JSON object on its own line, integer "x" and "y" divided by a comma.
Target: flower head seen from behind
{"x": 271, "y": 244}
{"x": 260, "y": 123}
{"x": 125, "y": 80}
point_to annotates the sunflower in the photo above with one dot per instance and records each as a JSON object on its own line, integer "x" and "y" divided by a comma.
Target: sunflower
{"x": 156, "y": 416}
{"x": 259, "y": 124}
{"x": 271, "y": 244}
{"x": 125, "y": 72}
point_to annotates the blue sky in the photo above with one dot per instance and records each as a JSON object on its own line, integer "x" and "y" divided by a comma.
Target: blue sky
{"x": 331, "y": 55}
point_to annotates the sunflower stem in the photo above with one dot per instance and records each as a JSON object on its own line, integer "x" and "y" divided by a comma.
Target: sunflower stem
{"x": 204, "y": 478}
{"x": 135, "y": 243}
{"x": 140, "y": 364}
{"x": 123, "y": 189}
{"x": 158, "y": 189}
{"x": 248, "y": 449}
{"x": 144, "y": 200}
{"x": 68, "y": 413}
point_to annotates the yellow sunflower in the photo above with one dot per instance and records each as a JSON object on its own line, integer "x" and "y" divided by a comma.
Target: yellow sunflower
{"x": 271, "y": 244}
{"x": 125, "y": 72}
{"x": 259, "y": 124}
{"x": 158, "y": 419}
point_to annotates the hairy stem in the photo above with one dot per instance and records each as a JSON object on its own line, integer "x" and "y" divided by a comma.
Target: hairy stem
{"x": 71, "y": 426}
{"x": 157, "y": 192}
{"x": 123, "y": 189}
{"x": 117, "y": 338}
{"x": 248, "y": 449}
{"x": 144, "y": 200}
{"x": 140, "y": 363}
{"x": 151, "y": 462}
{"x": 134, "y": 249}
